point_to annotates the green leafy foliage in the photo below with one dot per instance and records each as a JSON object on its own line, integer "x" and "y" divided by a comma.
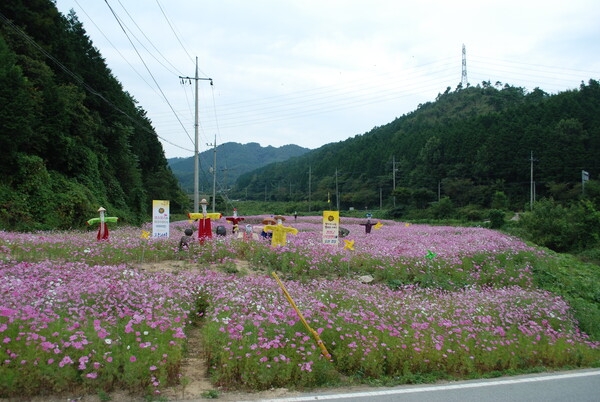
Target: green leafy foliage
{"x": 472, "y": 145}
{"x": 73, "y": 139}
{"x": 563, "y": 228}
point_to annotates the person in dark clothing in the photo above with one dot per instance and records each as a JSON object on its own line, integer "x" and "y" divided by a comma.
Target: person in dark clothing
{"x": 184, "y": 242}
{"x": 368, "y": 226}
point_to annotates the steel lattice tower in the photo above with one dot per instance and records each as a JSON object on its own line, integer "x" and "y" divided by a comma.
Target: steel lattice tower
{"x": 463, "y": 80}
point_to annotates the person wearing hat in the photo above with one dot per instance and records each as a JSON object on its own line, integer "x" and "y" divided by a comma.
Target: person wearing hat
{"x": 204, "y": 224}
{"x": 264, "y": 234}
{"x": 280, "y": 232}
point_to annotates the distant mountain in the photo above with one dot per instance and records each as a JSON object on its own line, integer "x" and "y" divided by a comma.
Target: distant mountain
{"x": 484, "y": 146}
{"x": 233, "y": 160}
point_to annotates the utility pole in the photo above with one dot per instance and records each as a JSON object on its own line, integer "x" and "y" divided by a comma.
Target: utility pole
{"x": 214, "y": 172}
{"x": 337, "y": 193}
{"x": 394, "y": 178}
{"x": 585, "y": 176}
{"x": 531, "y": 184}
{"x": 196, "y": 156}
{"x": 309, "y": 186}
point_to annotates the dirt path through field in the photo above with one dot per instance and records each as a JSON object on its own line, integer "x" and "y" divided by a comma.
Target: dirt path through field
{"x": 195, "y": 383}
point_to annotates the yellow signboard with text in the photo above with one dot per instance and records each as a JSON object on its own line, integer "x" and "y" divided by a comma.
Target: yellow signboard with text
{"x": 331, "y": 227}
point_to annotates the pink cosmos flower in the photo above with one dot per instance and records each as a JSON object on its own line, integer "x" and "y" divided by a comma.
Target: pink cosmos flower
{"x": 66, "y": 360}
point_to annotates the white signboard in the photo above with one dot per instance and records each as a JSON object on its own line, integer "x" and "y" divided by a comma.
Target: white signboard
{"x": 160, "y": 218}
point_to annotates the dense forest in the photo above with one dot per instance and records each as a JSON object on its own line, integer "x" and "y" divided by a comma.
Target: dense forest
{"x": 72, "y": 138}
{"x": 472, "y": 147}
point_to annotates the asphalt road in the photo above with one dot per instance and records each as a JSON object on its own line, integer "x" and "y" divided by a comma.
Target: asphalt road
{"x": 565, "y": 386}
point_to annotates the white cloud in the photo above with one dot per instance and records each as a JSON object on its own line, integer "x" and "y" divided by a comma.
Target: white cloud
{"x": 313, "y": 72}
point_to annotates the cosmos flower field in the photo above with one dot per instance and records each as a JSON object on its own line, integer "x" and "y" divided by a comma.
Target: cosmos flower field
{"x": 405, "y": 302}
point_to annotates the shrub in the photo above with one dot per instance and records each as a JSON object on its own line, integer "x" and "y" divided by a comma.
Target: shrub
{"x": 562, "y": 229}
{"x": 496, "y": 217}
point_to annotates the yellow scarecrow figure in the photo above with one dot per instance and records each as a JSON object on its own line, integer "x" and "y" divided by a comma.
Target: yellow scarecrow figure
{"x": 280, "y": 232}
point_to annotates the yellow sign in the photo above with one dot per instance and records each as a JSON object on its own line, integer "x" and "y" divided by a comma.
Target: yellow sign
{"x": 331, "y": 227}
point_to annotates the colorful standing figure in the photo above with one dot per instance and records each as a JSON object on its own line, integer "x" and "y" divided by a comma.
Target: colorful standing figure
{"x": 235, "y": 219}
{"x": 249, "y": 233}
{"x": 102, "y": 220}
{"x": 204, "y": 224}
{"x": 368, "y": 226}
{"x": 280, "y": 232}
{"x": 264, "y": 234}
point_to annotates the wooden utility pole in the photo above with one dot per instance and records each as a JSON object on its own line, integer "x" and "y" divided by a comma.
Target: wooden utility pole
{"x": 196, "y": 156}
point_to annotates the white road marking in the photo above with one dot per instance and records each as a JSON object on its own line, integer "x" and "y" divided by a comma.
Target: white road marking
{"x": 435, "y": 388}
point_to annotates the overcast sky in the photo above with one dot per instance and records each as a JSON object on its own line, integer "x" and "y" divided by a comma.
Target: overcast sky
{"x": 315, "y": 72}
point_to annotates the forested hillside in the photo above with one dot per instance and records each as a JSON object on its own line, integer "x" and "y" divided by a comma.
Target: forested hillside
{"x": 233, "y": 160}
{"x": 72, "y": 138}
{"x": 470, "y": 146}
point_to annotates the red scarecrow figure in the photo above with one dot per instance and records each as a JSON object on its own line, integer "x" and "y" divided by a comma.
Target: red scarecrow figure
{"x": 103, "y": 228}
{"x": 235, "y": 219}
{"x": 204, "y": 225}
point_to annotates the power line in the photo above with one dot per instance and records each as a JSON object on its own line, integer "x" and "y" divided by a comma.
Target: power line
{"x": 149, "y": 41}
{"x": 76, "y": 78}
{"x": 147, "y": 69}
{"x": 173, "y": 30}
{"x": 114, "y": 47}
{"x": 132, "y": 67}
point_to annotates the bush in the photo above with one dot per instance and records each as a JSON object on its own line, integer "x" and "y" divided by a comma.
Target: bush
{"x": 547, "y": 225}
{"x": 562, "y": 229}
{"x": 472, "y": 213}
{"x": 442, "y": 209}
{"x": 496, "y": 217}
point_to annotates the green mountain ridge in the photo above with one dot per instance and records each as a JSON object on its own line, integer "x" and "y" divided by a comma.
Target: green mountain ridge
{"x": 468, "y": 146}
{"x": 232, "y": 160}
{"x": 74, "y": 139}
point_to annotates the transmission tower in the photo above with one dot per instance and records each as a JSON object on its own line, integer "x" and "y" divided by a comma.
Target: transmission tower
{"x": 463, "y": 80}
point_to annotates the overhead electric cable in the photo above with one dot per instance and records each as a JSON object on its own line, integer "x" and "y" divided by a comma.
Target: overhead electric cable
{"x": 78, "y": 79}
{"x": 174, "y": 33}
{"x": 149, "y": 72}
{"x": 116, "y": 48}
{"x": 215, "y": 112}
{"x": 151, "y": 43}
